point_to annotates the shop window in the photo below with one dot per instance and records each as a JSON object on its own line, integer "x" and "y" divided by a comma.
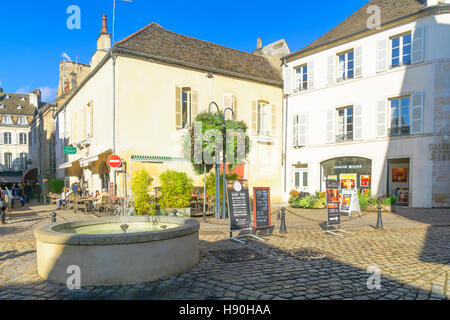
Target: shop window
{"x": 350, "y": 172}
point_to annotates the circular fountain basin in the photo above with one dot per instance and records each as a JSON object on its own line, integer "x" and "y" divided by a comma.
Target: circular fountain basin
{"x": 153, "y": 248}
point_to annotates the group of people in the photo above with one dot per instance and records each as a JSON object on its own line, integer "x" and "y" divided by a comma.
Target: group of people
{"x": 8, "y": 197}
{"x": 75, "y": 191}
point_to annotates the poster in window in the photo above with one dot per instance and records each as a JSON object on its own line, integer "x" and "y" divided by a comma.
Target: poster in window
{"x": 333, "y": 177}
{"x": 365, "y": 181}
{"x": 348, "y": 181}
{"x": 403, "y": 196}
{"x": 399, "y": 175}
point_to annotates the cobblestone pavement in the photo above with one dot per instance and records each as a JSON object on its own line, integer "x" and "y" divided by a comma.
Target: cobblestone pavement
{"x": 412, "y": 253}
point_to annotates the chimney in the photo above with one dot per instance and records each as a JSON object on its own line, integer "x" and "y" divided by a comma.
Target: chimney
{"x": 35, "y": 97}
{"x": 103, "y": 44}
{"x": 259, "y": 44}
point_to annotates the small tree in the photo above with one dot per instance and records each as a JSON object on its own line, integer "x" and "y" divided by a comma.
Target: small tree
{"x": 57, "y": 185}
{"x": 176, "y": 188}
{"x": 140, "y": 185}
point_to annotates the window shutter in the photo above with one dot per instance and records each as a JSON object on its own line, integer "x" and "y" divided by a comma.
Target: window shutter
{"x": 357, "y": 122}
{"x": 287, "y": 80}
{"x": 255, "y": 116}
{"x": 331, "y": 67}
{"x": 178, "y": 108}
{"x": 381, "y": 55}
{"x": 295, "y": 131}
{"x": 330, "y": 126}
{"x": 418, "y": 45}
{"x": 235, "y": 107}
{"x": 302, "y": 130}
{"x": 358, "y": 61}
{"x": 381, "y": 119}
{"x": 194, "y": 105}
{"x": 417, "y": 113}
{"x": 274, "y": 120}
{"x": 2, "y": 138}
{"x": 311, "y": 75}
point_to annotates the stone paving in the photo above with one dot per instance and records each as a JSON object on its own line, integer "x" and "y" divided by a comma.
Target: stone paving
{"x": 412, "y": 253}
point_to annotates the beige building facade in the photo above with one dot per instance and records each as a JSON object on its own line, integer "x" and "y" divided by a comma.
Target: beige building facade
{"x": 141, "y": 98}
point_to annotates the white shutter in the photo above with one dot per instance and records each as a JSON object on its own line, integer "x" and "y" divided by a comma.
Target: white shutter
{"x": 330, "y": 126}
{"x": 311, "y": 75}
{"x": 331, "y": 66}
{"x": 417, "y": 113}
{"x": 382, "y": 55}
{"x": 295, "y": 131}
{"x": 357, "y": 122}
{"x": 358, "y": 61}
{"x": 381, "y": 119}
{"x": 287, "y": 80}
{"x": 2, "y": 138}
{"x": 418, "y": 45}
{"x": 302, "y": 129}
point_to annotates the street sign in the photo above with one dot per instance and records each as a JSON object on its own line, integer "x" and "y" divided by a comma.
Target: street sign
{"x": 114, "y": 161}
{"x": 70, "y": 150}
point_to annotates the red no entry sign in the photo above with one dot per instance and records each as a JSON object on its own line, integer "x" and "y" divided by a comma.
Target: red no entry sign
{"x": 114, "y": 161}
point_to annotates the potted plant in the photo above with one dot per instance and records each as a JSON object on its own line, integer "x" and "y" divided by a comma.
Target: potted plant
{"x": 176, "y": 188}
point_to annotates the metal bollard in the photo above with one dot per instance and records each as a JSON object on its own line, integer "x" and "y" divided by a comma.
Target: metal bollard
{"x": 283, "y": 221}
{"x": 379, "y": 219}
{"x": 53, "y": 217}
{"x": 278, "y": 215}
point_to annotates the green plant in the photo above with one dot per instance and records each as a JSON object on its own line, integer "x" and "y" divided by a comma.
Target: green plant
{"x": 176, "y": 188}
{"x": 214, "y": 121}
{"x": 140, "y": 185}
{"x": 57, "y": 185}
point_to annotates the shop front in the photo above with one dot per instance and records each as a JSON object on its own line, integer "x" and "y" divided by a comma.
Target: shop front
{"x": 350, "y": 172}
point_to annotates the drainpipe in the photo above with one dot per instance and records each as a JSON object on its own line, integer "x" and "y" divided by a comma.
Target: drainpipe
{"x": 113, "y": 56}
{"x": 285, "y": 135}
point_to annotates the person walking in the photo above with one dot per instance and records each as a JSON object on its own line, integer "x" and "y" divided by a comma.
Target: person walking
{"x": 28, "y": 191}
{"x": 22, "y": 195}
{"x": 13, "y": 195}
{"x": 3, "y": 207}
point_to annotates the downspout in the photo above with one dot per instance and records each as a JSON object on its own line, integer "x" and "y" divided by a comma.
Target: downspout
{"x": 285, "y": 134}
{"x": 113, "y": 56}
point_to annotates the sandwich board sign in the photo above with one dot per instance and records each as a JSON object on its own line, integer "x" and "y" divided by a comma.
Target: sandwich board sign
{"x": 350, "y": 202}
{"x": 333, "y": 204}
{"x": 261, "y": 208}
{"x": 239, "y": 208}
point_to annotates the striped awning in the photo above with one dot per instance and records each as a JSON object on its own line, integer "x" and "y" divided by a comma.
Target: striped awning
{"x": 150, "y": 158}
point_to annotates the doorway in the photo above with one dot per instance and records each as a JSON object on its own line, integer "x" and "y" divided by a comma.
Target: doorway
{"x": 398, "y": 180}
{"x": 301, "y": 179}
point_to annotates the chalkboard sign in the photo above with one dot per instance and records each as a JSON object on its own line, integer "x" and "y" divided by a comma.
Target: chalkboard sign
{"x": 261, "y": 208}
{"x": 333, "y": 203}
{"x": 239, "y": 205}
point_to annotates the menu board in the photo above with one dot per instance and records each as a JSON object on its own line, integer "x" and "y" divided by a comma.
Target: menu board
{"x": 333, "y": 212}
{"x": 261, "y": 208}
{"x": 239, "y": 205}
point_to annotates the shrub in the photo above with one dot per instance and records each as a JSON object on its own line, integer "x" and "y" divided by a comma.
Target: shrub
{"x": 140, "y": 185}
{"x": 57, "y": 185}
{"x": 306, "y": 201}
{"x": 176, "y": 188}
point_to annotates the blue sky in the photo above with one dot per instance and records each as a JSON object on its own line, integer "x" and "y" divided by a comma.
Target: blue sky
{"x": 34, "y": 33}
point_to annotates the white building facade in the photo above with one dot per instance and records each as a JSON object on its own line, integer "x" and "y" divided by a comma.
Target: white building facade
{"x": 370, "y": 108}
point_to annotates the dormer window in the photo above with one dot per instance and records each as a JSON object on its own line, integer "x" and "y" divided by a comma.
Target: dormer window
{"x": 19, "y": 107}
{"x": 2, "y": 106}
{"x": 22, "y": 99}
{"x": 22, "y": 120}
{"x": 7, "y": 120}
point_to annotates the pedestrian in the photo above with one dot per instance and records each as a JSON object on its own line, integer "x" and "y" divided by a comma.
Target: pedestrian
{"x": 28, "y": 192}
{"x": 12, "y": 192}
{"x": 3, "y": 207}
{"x": 22, "y": 195}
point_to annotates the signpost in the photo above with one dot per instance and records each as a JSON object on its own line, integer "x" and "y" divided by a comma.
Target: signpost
{"x": 239, "y": 208}
{"x": 261, "y": 208}
{"x": 333, "y": 208}
{"x": 350, "y": 202}
{"x": 70, "y": 150}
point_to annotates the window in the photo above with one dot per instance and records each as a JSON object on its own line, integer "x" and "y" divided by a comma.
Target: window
{"x": 344, "y": 124}
{"x": 346, "y": 65}
{"x": 263, "y": 109}
{"x": 8, "y": 160}
{"x": 7, "y": 120}
{"x": 2, "y": 106}
{"x": 301, "y": 78}
{"x": 401, "y": 50}
{"x": 400, "y": 122}
{"x": 186, "y": 107}
{"x": 22, "y": 120}
{"x": 229, "y": 101}
{"x": 22, "y": 138}
{"x": 23, "y": 161}
{"x": 7, "y": 137}
{"x": 19, "y": 107}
